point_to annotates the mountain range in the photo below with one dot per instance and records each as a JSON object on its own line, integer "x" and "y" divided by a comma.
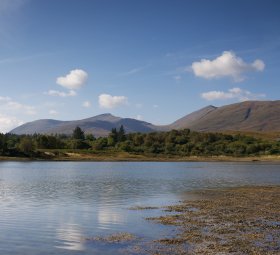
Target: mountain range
{"x": 249, "y": 116}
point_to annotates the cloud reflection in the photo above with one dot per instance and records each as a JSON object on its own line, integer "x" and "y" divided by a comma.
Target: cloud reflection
{"x": 70, "y": 238}
{"x": 106, "y": 217}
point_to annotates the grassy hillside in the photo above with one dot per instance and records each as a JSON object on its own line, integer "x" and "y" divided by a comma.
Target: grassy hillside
{"x": 249, "y": 116}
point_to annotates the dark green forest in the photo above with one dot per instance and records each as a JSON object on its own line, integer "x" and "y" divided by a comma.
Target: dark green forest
{"x": 176, "y": 142}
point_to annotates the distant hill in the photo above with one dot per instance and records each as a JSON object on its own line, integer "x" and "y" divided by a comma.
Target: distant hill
{"x": 99, "y": 125}
{"x": 254, "y": 116}
{"x": 249, "y": 116}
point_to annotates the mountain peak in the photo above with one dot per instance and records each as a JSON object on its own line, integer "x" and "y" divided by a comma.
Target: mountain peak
{"x": 211, "y": 106}
{"x": 103, "y": 117}
{"x": 257, "y": 116}
{"x": 99, "y": 125}
{"x": 187, "y": 120}
{"x": 105, "y": 114}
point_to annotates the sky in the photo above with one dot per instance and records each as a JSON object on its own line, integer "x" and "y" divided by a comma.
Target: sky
{"x": 146, "y": 59}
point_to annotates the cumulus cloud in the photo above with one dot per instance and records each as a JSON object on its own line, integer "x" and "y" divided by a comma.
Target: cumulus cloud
{"x": 234, "y": 93}
{"x": 6, "y": 103}
{"x": 226, "y": 65}
{"x": 86, "y": 104}
{"x": 7, "y": 123}
{"x": 74, "y": 80}
{"x": 109, "y": 102}
{"x": 71, "y": 93}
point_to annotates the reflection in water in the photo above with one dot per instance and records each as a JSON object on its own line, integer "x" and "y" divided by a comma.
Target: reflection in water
{"x": 106, "y": 217}
{"x": 70, "y": 237}
{"x": 52, "y": 207}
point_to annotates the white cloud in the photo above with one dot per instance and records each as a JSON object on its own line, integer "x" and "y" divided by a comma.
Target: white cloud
{"x": 87, "y": 104}
{"x": 74, "y": 80}
{"x": 8, "y": 123}
{"x": 139, "y": 117}
{"x": 6, "y": 103}
{"x": 234, "y": 93}
{"x": 109, "y": 102}
{"x": 53, "y": 112}
{"x": 71, "y": 93}
{"x": 228, "y": 64}
{"x": 155, "y": 106}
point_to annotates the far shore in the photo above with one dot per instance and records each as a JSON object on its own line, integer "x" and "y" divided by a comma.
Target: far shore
{"x": 127, "y": 157}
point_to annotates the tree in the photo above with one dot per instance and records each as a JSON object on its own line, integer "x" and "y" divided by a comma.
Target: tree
{"x": 138, "y": 139}
{"x": 26, "y": 145}
{"x": 3, "y": 144}
{"x": 90, "y": 137}
{"x": 121, "y": 134}
{"x": 79, "y": 144}
{"x": 78, "y": 133}
{"x": 100, "y": 143}
{"x": 113, "y": 137}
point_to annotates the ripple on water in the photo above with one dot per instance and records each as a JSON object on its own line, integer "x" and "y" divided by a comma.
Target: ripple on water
{"x": 52, "y": 207}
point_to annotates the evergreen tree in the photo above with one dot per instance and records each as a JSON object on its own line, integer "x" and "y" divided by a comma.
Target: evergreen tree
{"x": 78, "y": 133}
{"x": 113, "y": 137}
{"x": 121, "y": 134}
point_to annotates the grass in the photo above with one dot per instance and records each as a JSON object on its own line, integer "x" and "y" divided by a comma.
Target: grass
{"x": 112, "y": 155}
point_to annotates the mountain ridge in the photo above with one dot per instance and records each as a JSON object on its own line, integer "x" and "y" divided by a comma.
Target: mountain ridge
{"x": 99, "y": 125}
{"x": 256, "y": 116}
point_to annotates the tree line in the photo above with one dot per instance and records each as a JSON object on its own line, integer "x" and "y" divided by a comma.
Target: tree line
{"x": 176, "y": 142}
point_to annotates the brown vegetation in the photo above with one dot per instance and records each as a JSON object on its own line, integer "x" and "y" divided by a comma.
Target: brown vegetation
{"x": 230, "y": 221}
{"x": 114, "y": 238}
{"x": 236, "y": 221}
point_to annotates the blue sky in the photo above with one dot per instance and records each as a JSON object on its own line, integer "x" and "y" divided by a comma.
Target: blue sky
{"x": 147, "y": 59}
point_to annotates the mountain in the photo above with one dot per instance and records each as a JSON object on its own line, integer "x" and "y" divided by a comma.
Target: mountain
{"x": 99, "y": 125}
{"x": 255, "y": 116}
{"x": 249, "y": 116}
{"x": 192, "y": 118}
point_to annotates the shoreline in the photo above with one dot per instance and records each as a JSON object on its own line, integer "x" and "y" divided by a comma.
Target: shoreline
{"x": 235, "y": 220}
{"x": 77, "y": 157}
{"x": 241, "y": 220}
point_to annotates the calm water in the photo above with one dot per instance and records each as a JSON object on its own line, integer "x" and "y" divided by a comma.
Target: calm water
{"x": 52, "y": 207}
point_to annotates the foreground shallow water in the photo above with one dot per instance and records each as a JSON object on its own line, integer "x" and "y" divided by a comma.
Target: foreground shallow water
{"x": 55, "y": 207}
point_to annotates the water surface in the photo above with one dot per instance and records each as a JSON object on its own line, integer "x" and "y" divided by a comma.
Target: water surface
{"x": 52, "y": 207}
